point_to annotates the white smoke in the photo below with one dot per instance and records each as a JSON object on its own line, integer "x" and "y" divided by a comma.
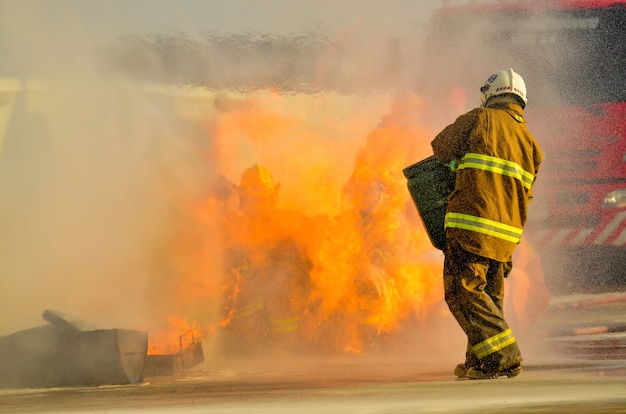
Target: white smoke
{"x": 89, "y": 161}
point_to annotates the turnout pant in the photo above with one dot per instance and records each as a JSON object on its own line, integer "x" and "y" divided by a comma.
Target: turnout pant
{"x": 474, "y": 292}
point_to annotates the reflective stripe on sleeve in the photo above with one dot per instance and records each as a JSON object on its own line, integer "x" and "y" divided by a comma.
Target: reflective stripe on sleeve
{"x": 493, "y": 344}
{"x": 497, "y": 165}
{"x": 483, "y": 225}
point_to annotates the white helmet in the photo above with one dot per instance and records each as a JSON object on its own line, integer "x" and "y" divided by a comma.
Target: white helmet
{"x": 504, "y": 81}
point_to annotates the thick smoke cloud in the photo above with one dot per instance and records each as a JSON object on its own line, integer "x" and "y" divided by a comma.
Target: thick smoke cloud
{"x": 89, "y": 163}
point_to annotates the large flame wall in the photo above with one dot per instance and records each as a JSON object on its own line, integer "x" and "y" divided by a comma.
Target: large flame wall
{"x": 330, "y": 153}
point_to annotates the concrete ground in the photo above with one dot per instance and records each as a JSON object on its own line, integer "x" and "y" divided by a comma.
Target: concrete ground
{"x": 598, "y": 387}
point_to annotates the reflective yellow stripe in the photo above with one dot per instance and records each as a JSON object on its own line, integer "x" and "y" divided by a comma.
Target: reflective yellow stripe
{"x": 493, "y": 344}
{"x": 248, "y": 310}
{"x": 497, "y": 165}
{"x": 285, "y": 325}
{"x": 385, "y": 256}
{"x": 483, "y": 225}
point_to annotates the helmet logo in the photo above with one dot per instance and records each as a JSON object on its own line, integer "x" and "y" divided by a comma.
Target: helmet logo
{"x": 485, "y": 87}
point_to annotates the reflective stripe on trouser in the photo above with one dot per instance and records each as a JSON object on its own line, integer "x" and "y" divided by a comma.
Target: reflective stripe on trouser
{"x": 493, "y": 344}
{"x": 285, "y": 325}
{"x": 474, "y": 292}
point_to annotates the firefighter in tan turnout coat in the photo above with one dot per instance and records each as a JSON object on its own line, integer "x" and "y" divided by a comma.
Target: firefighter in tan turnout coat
{"x": 496, "y": 160}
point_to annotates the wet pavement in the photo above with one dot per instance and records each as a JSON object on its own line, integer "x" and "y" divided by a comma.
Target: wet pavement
{"x": 574, "y": 363}
{"x": 598, "y": 387}
{"x": 585, "y": 326}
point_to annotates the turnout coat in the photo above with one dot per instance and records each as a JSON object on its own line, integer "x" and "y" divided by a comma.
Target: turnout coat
{"x": 496, "y": 159}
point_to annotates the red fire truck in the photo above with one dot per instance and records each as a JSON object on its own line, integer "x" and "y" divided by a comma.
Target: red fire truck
{"x": 572, "y": 54}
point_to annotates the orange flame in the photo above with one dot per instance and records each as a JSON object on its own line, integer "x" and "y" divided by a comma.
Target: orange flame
{"x": 370, "y": 269}
{"x": 343, "y": 203}
{"x": 171, "y": 338}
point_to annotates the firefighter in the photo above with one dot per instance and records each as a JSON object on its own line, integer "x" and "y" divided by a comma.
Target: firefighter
{"x": 268, "y": 267}
{"x": 496, "y": 159}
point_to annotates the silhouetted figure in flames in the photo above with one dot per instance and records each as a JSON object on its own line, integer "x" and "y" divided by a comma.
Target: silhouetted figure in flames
{"x": 267, "y": 269}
